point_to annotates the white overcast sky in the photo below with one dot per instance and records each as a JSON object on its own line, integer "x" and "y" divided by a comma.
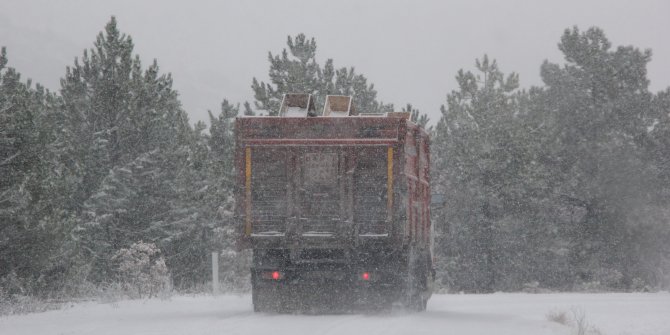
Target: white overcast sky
{"x": 410, "y": 50}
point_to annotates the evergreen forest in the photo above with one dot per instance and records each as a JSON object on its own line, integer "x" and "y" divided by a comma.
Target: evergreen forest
{"x": 559, "y": 187}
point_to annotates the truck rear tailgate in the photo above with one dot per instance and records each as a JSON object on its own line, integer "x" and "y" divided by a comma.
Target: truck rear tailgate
{"x": 324, "y": 191}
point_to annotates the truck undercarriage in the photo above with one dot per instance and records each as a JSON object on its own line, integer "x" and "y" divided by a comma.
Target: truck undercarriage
{"x": 369, "y": 279}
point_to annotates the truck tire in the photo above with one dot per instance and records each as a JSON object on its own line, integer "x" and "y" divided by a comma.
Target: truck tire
{"x": 416, "y": 300}
{"x": 257, "y": 299}
{"x": 263, "y": 298}
{"x": 416, "y": 281}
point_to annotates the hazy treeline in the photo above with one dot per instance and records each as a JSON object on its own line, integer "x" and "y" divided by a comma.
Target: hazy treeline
{"x": 563, "y": 186}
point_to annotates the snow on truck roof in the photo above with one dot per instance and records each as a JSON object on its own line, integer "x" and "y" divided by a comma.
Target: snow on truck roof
{"x": 298, "y": 120}
{"x": 302, "y": 105}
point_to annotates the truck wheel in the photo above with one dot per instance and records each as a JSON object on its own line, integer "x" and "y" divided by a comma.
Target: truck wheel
{"x": 417, "y": 284}
{"x": 265, "y": 300}
{"x": 256, "y": 300}
{"x": 262, "y": 298}
{"x": 416, "y": 301}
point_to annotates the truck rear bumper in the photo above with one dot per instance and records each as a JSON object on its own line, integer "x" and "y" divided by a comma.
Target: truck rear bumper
{"x": 299, "y": 289}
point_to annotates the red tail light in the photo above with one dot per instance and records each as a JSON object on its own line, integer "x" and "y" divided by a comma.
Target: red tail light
{"x": 272, "y": 275}
{"x": 365, "y": 276}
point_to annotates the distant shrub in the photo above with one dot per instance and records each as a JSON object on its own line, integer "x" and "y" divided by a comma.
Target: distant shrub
{"x": 142, "y": 270}
{"x": 576, "y": 320}
{"x": 639, "y": 285}
{"x": 534, "y": 287}
{"x": 580, "y": 325}
{"x": 591, "y": 287}
{"x": 558, "y": 317}
{"x": 23, "y": 304}
{"x": 602, "y": 280}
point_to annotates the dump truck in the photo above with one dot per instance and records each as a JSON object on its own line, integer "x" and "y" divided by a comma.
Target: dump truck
{"x": 335, "y": 207}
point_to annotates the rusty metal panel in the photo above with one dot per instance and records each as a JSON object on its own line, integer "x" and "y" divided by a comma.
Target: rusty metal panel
{"x": 370, "y": 190}
{"x": 318, "y": 128}
{"x": 319, "y": 190}
{"x": 269, "y": 180}
{"x": 320, "y": 142}
{"x": 320, "y": 167}
{"x": 326, "y": 178}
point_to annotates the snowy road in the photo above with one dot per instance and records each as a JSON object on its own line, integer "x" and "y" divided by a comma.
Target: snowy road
{"x": 518, "y": 314}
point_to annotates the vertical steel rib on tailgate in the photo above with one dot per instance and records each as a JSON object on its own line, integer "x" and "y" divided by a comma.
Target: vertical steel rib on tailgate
{"x": 389, "y": 184}
{"x": 247, "y": 190}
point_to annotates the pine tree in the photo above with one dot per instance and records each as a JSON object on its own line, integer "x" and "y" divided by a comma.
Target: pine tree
{"x": 18, "y": 159}
{"x": 417, "y": 117}
{"x": 477, "y": 162}
{"x": 131, "y": 142}
{"x": 597, "y": 105}
{"x": 654, "y": 249}
{"x": 222, "y": 175}
{"x": 30, "y": 179}
{"x": 296, "y": 71}
{"x": 222, "y": 143}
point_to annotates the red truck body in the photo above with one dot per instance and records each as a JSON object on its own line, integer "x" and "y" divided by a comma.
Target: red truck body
{"x": 332, "y": 205}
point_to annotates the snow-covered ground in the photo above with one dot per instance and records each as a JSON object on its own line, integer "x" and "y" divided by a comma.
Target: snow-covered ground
{"x": 517, "y": 314}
